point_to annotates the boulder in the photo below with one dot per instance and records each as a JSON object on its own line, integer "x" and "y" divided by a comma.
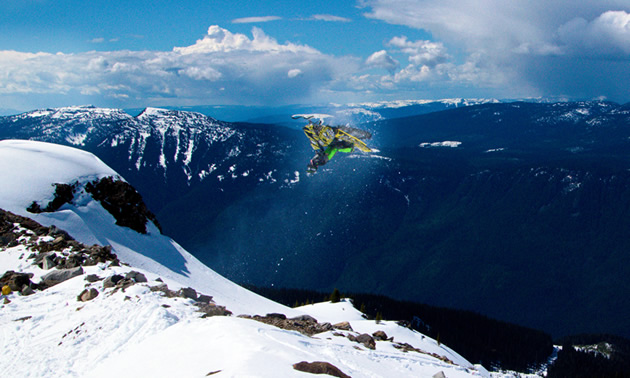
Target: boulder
{"x": 27, "y": 290}
{"x": 379, "y": 335}
{"x": 87, "y": 295}
{"x": 61, "y": 275}
{"x": 92, "y": 278}
{"x": 204, "y": 298}
{"x": 344, "y": 326}
{"x": 15, "y": 281}
{"x": 366, "y": 340}
{"x": 304, "y": 318}
{"x": 111, "y": 281}
{"x": 187, "y": 292}
{"x": 48, "y": 262}
{"x": 136, "y": 276}
{"x": 319, "y": 367}
{"x": 211, "y": 309}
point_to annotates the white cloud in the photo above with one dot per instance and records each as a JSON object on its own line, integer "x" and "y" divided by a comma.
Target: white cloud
{"x": 221, "y": 68}
{"x": 381, "y": 59}
{"x": 424, "y": 53}
{"x": 222, "y": 40}
{"x": 534, "y": 47}
{"x": 249, "y": 20}
{"x": 294, "y": 73}
{"x": 330, "y": 18}
{"x": 608, "y": 35}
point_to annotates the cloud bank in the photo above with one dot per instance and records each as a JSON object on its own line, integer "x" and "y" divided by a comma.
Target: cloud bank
{"x": 520, "y": 48}
{"x": 221, "y": 68}
{"x": 477, "y": 48}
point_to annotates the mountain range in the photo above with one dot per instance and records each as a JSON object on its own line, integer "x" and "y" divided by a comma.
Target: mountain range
{"x": 516, "y": 210}
{"x": 84, "y": 295}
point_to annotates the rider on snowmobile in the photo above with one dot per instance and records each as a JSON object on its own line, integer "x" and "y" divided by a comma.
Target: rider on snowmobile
{"x": 328, "y": 140}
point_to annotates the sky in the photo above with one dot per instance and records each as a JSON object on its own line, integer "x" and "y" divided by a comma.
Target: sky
{"x": 271, "y": 53}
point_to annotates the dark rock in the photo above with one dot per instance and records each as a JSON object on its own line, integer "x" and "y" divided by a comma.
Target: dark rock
{"x": 112, "y": 280}
{"x": 211, "y": 309}
{"x": 122, "y": 201}
{"x": 187, "y": 292}
{"x": 136, "y": 276}
{"x": 344, "y": 326}
{"x": 125, "y": 283}
{"x": 99, "y": 254}
{"x": 365, "y": 339}
{"x": 27, "y": 290}
{"x": 319, "y": 367}
{"x": 61, "y": 275}
{"x": 309, "y": 326}
{"x": 15, "y": 281}
{"x": 379, "y": 335}
{"x": 55, "y": 232}
{"x": 48, "y": 262}
{"x": 204, "y": 298}
{"x": 304, "y": 318}
{"x": 73, "y": 261}
{"x": 92, "y": 278}
{"x": 87, "y": 295}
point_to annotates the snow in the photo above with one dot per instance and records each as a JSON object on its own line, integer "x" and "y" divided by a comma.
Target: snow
{"x": 141, "y": 332}
{"x": 446, "y": 143}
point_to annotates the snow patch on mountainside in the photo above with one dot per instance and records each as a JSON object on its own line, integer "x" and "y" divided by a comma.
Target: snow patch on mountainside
{"x": 446, "y": 143}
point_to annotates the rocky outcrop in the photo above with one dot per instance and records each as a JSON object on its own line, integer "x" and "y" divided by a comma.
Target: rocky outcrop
{"x": 306, "y": 325}
{"x": 64, "y": 193}
{"x": 319, "y": 367}
{"x": 18, "y": 282}
{"x": 116, "y": 196}
{"x": 204, "y": 302}
{"x": 53, "y": 250}
{"x": 58, "y": 276}
{"x": 124, "y": 203}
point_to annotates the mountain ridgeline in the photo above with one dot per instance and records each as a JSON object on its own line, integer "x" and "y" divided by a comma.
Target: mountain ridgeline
{"x": 517, "y": 210}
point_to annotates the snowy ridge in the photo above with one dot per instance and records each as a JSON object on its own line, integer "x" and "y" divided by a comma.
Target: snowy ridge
{"x": 176, "y": 135}
{"x": 455, "y": 102}
{"x": 133, "y": 329}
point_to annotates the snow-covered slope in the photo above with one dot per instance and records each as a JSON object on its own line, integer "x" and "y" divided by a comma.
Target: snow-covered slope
{"x": 146, "y": 327}
{"x": 28, "y": 171}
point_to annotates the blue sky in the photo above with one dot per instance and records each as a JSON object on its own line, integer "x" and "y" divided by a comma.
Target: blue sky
{"x": 161, "y": 53}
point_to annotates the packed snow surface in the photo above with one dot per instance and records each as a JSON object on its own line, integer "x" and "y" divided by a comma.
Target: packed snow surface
{"x": 138, "y": 331}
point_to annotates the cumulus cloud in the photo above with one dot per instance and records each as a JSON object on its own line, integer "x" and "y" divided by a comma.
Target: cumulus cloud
{"x": 422, "y": 52}
{"x": 222, "y": 40}
{"x": 381, "y": 59}
{"x": 525, "y": 44}
{"x": 606, "y": 35}
{"x": 223, "y": 67}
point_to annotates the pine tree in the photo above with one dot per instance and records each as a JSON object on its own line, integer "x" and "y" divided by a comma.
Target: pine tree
{"x": 379, "y": 317}
{"x": 335, "y": 297}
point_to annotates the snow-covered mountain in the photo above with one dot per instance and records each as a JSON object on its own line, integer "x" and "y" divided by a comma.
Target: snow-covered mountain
{"x": 167, "y": 149}
{"x": 153, "y": 309}
{"x": 554, "y": 173}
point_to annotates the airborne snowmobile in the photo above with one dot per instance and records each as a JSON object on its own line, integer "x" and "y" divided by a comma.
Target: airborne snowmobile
{"x": 328, "y": 140}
